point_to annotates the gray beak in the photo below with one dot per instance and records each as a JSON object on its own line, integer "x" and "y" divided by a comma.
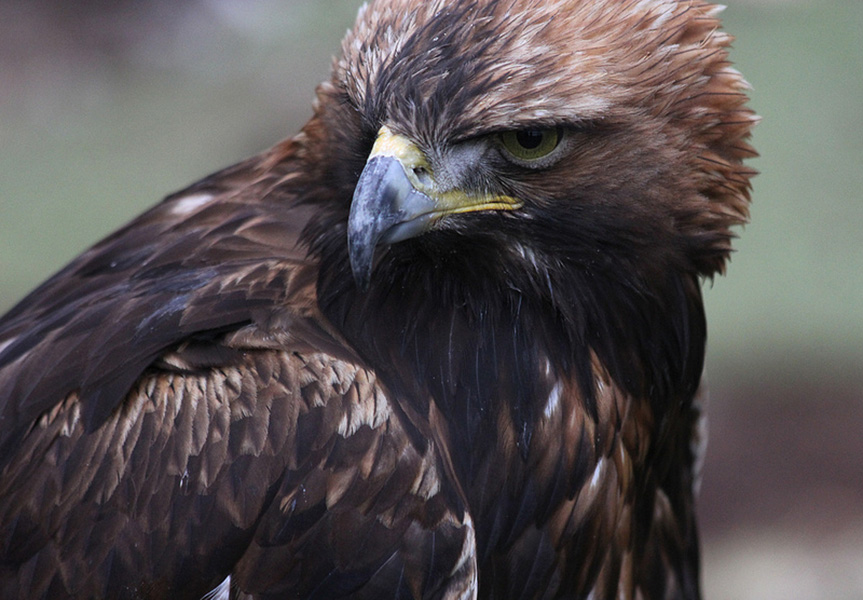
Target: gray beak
{"x": 386, "y": 208}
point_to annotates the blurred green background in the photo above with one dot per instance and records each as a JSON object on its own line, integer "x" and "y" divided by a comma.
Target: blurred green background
{"x": 107, "y": 106}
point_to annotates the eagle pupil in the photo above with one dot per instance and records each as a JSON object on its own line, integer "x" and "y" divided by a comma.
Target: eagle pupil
{"x": 529, "y": 139}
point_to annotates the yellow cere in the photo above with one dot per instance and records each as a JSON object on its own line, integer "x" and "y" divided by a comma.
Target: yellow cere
{"x": 452, "y": 201}
{"x": 399, "y": 147}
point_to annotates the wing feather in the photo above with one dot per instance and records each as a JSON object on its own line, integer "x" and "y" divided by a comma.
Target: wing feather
{"x": 178, "y": 413}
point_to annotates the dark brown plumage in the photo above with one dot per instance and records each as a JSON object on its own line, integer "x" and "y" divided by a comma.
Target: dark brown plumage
{"x": 444, "y": 343}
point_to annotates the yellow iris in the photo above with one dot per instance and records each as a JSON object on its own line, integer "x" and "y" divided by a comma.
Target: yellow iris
{"x": 530, "y": 144}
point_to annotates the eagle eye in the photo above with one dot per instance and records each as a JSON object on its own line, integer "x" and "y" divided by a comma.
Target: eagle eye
{"x": 529, "y": 145}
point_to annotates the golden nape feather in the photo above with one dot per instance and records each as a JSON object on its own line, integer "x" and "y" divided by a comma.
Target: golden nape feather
{"x": 446, "y": 342}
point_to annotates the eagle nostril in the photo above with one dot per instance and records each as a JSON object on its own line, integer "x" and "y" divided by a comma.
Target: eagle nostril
{"x": 422, "y": 174}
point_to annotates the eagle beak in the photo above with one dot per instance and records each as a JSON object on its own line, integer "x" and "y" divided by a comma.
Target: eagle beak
{"x": 386, "y": 208}
{"x": 397, "y": 198}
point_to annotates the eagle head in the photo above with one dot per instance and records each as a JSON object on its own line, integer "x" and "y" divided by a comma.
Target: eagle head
{"x": 592, "y": 134}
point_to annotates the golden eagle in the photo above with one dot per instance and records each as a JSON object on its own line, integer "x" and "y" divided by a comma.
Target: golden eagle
{"x": 446, "y": 342}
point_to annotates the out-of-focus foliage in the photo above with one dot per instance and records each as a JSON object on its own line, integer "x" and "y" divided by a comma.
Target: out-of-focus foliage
{"x": 106, "y": 107}
{"x": 795, "y": 287}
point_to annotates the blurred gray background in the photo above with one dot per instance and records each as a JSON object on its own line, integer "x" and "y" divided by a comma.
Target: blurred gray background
{"x": 107, "y": 106}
